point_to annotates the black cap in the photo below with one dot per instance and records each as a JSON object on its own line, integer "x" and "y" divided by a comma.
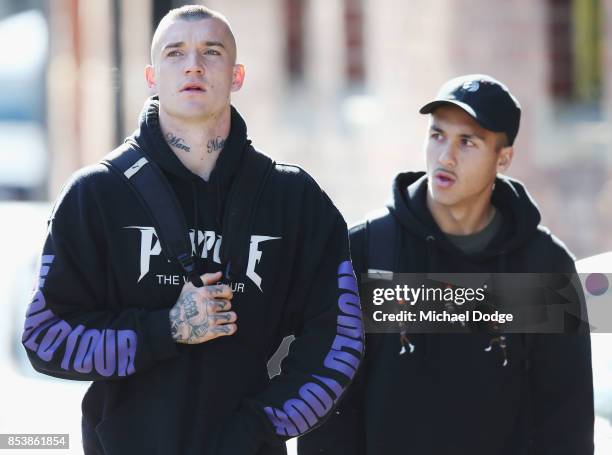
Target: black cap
{"x": 487, "y": 100}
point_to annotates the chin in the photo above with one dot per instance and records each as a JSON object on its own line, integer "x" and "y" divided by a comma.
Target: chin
{"x": 445, "y": 199}
{"x": 191, "y": 111}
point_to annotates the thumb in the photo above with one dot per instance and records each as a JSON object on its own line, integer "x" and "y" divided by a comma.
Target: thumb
{"x": 211, "y": 278}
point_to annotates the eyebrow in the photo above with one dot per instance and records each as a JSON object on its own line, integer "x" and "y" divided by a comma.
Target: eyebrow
{"x": 182, "y": 43}
{"x": 437, "y": 129}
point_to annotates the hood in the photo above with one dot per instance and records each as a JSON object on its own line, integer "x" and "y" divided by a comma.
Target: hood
{"x": 520, "y": 218}
{"x": 519, "y": 212}
{"x": 149, "y": 136}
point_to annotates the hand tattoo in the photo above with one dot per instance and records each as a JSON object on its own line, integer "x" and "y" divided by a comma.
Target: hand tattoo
{"x": 191, "y": 310}
{"x": 177, "y": 142}
{"x": 215, "y": 144}
{"x": 174, "y": 324}
{"x": 196, "y": 320}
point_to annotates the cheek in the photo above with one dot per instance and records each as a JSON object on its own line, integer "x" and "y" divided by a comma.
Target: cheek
{"x": 431, "y": 153}
{"x": 481, "y": 170}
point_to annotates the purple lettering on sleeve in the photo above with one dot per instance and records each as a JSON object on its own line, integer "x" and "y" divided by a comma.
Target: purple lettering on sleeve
{"x": 341, "y": 342}
{"x": 54, "y": 337}
{"x": 126, "y": 347}
{"x": 293, "y": 408}
{"x": 83, "y": 362}
{"x": 70, "y": 344}
{"x": 47, "y": 259}
{"x": 342, "y": 362}
{"x": 281, "y": 422}
{"x": 350, "y": 326}
{"x": 45, "y": 263}
{"x": 34, "y": 322}
{"x": 107, "y": 350}
{"x": 349, "y": 283}
{"x": 305, "y": 410}
{"x": 44, "y": 270}
{"x": 317, "y": 398}
{"x": 350, "y": 304}
{"x": 331, "y": 384}
{"x": 38, "y": 303}
{"x": 105, "y": 359}
{"x": 346, "y": 268}
{"x": 31, "y": 344}
{"x": 315, "y": 401}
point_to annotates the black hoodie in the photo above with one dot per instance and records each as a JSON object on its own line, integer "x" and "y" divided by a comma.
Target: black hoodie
{"x": 101, "y": 310}
{"x": 450, "y": 396}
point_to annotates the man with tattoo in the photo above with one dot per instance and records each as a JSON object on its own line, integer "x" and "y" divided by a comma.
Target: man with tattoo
{"x": 176, "y": 368}
{"x": 481, "y": 393}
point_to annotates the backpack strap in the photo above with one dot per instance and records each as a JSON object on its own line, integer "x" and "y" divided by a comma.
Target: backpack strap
{"x": 240, "y": 209}
{"x": 158, "y": 199}
{"x": 380, "y": 250}
{"x": 380, "y": 244}
{"x": 156, "y": 196}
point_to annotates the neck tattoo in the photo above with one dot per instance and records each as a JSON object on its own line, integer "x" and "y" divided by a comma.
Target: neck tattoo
{"x": 215, "y": 144}
{"x": 177, "y": 142}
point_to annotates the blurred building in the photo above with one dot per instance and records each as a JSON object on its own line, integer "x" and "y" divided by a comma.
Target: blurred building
{"x": 23, "y": 58}
{"x": 335, "y": 86}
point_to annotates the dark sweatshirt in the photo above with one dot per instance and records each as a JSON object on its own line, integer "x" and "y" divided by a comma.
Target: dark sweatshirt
{"x": 451, "y": 396}
{"x": 101, "y": 310}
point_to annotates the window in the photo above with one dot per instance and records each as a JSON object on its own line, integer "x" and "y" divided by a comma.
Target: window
{"x": 575, "y": 35}
{"x": 353, "y": 26}
{"x": 294, "y": 33}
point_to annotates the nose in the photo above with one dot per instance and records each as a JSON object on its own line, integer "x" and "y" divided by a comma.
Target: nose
{"x": 194, "y": 64}
{"x": 448, "y": 155}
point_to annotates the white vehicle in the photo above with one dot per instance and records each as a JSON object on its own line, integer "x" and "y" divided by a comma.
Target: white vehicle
{"x": 602, "y": 354}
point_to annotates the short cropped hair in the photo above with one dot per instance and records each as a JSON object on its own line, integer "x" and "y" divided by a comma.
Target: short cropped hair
{"x": 501, "y": 141}
{"x": 189, "y": 13}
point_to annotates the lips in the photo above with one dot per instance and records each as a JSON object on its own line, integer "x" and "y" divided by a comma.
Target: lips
{"x": 193, "y": 87}
{"x": 444, "y": 179}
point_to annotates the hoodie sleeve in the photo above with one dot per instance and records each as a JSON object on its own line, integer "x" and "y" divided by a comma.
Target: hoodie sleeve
{"x": 326, "y": 353}
{"x": 562, "y": 382}
{"x": 73, "y": 328}
{"x": 344, "y": 432}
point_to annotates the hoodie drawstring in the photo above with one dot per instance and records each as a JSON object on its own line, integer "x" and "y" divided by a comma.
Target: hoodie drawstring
{"x": 501, "y": 340}
{"x": 196, "y": 234}
{"x": 423, "y": 339}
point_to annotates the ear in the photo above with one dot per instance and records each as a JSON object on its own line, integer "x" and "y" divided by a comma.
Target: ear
{"x": 150, "y": 77}
{"x": 504, "y": 158}
{"x": 238, "y": 74}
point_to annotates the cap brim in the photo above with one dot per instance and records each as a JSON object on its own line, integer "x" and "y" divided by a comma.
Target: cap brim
{"x": 433, "y": 105}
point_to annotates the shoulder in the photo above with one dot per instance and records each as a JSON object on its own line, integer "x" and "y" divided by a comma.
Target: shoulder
{"x": 358, "y": 230}
{"x": 294, "y": 176}
{"x": 83, "y": 190}
{"x": 299, "y": 184}
{"x": 553, "y": 250}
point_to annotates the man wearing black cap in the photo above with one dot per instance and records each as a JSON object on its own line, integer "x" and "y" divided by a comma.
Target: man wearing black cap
{"x": 442, "y": 393}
